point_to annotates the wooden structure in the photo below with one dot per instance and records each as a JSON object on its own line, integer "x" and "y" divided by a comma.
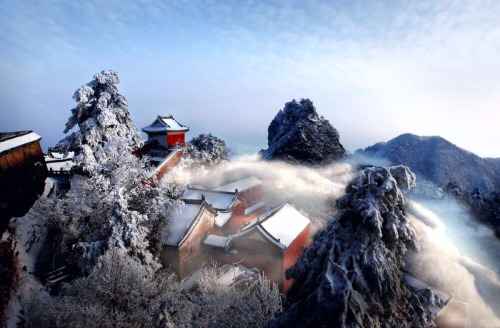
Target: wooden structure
{"x": 19, "y": 148}
{"x": 183, "y": 250}
{"x": 272, "y": 243}
{"x": 166, "y": 132}
{"x": 22, "y": 173}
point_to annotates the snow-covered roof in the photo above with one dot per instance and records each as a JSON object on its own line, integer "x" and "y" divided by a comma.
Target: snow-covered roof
{"x": 56, "y": 161}
{"x": 255, "y": 207}
{"x": 58, "y": 165}
{"x": 55, "y": 155}
{"x": 197, "y": 186}
{"x": 181, "y": 222}
{"x": 164, "y": 124}
{"x": 218, "y": 199}
{"x": 217, "y": 241}
{"x": 222, "y": 218}
{"x": 12, "y": 140}
{"x": 240, "y": 185}
{"x": 281, "y": 224}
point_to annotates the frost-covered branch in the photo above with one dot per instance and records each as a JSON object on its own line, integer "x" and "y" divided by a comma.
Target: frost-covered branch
{"x": 223, "y": 305}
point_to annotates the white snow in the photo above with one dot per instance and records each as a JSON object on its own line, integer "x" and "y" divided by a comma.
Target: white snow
{"x": 222, "y": 218}
{"x": 168, "y": 123}
{"x": 157, "y": 159}
{"x": 166, "y": 160}
{"x": 218, "y": 200}
{"x": 172, "y": 124}
{"x": 30, "y": 233}
{"x": 153, "y": 129}
{"x": 419, "y": 285}
{"x": 228, "y": 274}
{"x": 59, "y": 165}
{"x": 255, "y": 207}
{"x": 18, "y": 141}
{"x": 217, "y": 241}
{"x": 180, "y": 222}
{"x": 241, "y": 185}
{"x": 54, "y": 155}
{"x": 191, "y": 281}
{"x": 49, "y": 184}
{"x": 284, "y": 223}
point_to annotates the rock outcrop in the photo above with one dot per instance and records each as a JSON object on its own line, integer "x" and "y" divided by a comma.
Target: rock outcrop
{"x": 299, "y": 135}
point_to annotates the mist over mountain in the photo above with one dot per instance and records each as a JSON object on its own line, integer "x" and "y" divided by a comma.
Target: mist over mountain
{"x": 439, "y": 161}
{"x": 297, "y": 134}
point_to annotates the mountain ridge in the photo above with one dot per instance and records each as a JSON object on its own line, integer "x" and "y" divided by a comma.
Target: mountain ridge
{"x": 438, "y": 160}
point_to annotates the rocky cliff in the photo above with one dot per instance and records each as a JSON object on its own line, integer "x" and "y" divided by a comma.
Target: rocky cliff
{"x": 299, "y": 135}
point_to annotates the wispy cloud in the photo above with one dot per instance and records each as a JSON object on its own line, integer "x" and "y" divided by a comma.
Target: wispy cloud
{"x": 362, "y": 63}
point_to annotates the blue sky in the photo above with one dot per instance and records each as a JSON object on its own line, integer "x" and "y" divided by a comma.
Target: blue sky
{"x": 374, "y": 69}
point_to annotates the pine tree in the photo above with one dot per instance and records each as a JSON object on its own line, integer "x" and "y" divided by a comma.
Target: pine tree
{"x": 102, "y": 116}
{"x": 350, "y": 276}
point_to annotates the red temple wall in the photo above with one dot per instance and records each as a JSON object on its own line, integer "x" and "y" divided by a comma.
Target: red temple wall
{"x": 293, "y": 252}
{"x": 174, "y": 138}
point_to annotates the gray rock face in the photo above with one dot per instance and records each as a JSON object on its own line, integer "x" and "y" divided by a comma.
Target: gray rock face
{"x": 298, "y": 135}
{"x": 439, "y": 161}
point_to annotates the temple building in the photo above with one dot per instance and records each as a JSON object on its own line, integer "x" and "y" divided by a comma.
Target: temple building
{"x": 166, "y": 132}
{"x": 165, "y": 135}
{"x": 272, "y": 243}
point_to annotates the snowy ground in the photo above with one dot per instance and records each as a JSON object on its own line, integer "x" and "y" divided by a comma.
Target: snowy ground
{"x": 29, "y": 235}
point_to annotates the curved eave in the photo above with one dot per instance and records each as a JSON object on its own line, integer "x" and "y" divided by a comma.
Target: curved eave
{"x": 271, "y": 238}
{"x": 191, "y": 226}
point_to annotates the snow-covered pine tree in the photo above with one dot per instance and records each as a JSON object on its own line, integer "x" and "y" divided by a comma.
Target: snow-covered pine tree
{"x": 102, "y": 116}
{"x": 351, "y": 275}
{"x": 116, "y": 206}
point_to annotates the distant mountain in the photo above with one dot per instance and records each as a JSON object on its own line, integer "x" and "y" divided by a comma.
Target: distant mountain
{"x": 439, "y": 161}
{"x": 494, "y": 161}
{"x": 298, "y": 134}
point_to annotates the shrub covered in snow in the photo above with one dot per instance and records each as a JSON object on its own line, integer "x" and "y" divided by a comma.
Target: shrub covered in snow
{"x": 350, "y": 276}
{"x": 229, "y": 306}
{"x": 119, "y": 292}
{"x": 205, "y": 151}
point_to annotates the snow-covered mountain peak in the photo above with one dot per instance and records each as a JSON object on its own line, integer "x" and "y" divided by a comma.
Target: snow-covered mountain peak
{"x": 298, "y": 134}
